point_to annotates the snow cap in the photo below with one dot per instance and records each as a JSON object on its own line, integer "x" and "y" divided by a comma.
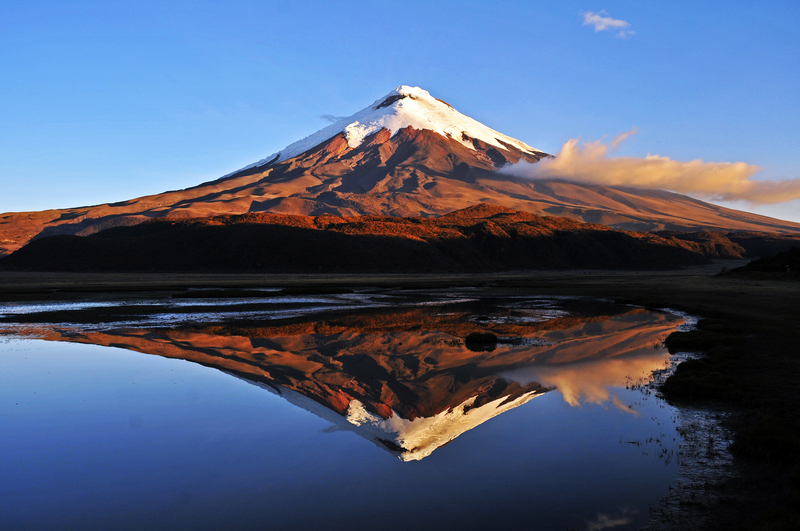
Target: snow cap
{"x": 403, "y": 107}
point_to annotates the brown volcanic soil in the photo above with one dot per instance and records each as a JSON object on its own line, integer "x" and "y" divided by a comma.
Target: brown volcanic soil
{"x": 479, "y": 238}
{"x": 413, "y": 173}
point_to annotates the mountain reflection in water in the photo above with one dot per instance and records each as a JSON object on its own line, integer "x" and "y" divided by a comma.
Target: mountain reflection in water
{"x": 406, "y": 379}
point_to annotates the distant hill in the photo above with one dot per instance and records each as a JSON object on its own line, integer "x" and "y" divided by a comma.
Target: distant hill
{"x": 785, "y": 265}
{"x": 735, "y": 244}
{"x": 479, "y": 238}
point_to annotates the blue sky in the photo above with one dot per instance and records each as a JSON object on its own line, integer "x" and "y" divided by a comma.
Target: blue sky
{"x": 106, "y": 101}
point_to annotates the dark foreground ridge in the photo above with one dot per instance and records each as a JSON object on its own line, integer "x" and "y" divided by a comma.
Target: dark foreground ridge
{"x": 782, "y": 266}
{"x": 478, "y": 238}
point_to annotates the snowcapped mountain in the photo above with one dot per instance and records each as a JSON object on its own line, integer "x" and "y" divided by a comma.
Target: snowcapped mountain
{"x": 407, "y": 154}
{"x": 404, "y": 107}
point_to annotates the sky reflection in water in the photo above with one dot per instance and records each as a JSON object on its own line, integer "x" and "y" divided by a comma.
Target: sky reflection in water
{"x": 111, "y": 438}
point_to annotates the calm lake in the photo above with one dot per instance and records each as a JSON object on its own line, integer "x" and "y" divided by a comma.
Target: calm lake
{"x": 375, "y": 409}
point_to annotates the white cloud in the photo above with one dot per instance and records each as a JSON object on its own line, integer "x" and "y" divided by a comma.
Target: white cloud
{"x": 602, "y": 22}
{"x": 720, "y": 181}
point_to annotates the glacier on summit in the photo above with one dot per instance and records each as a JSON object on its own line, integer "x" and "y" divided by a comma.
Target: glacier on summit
{"x": 403, "y": 107}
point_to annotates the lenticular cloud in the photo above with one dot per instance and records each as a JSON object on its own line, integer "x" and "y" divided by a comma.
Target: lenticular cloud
{"x": 721, "y": 181}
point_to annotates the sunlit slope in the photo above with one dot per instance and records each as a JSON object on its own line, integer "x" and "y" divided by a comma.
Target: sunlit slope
{"x": 408, "y": 154}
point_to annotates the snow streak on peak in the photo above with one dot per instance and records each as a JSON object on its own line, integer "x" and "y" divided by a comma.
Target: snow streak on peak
{"x": 418, "y": 438}
{"x": 403, "y": 107}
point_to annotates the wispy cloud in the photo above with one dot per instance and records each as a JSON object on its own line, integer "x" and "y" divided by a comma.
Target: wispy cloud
{"x": 603, "y": 521}
{"x": 602, "y": 22}
{"x": 717, "y": 181}
{"x": 622, "y": 407}
{"x": 622, "y": 137}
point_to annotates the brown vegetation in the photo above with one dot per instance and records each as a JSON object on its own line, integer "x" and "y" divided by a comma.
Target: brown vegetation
{"x": 479, "y": 238}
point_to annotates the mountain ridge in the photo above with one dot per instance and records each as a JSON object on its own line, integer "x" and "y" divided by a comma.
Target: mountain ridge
{"x": 391, "y": 163}
{"x": 478, "y": 238}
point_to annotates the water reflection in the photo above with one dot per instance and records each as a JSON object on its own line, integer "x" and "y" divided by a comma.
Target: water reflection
{"x": 406, "y": 378}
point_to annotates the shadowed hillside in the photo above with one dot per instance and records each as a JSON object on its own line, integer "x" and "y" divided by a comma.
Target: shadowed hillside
{"x": 785, "y": 265}
{"x": 480, "y": 238}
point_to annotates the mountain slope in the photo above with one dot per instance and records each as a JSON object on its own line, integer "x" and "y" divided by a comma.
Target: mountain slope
{"x": 480, "y": 238}
{"x": 408, "y": 154}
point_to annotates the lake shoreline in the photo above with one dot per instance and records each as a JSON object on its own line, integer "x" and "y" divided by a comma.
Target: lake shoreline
{"x": 749, "y": 368}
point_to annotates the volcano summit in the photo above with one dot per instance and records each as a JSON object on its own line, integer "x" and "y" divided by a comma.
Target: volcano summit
{"x": 407, "y": 154}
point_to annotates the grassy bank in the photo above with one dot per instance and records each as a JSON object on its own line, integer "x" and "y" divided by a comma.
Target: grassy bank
{"x": 749, "y": 333}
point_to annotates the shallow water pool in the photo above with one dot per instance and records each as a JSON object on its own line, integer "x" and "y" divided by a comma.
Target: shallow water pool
{"x": 382, "y": 417}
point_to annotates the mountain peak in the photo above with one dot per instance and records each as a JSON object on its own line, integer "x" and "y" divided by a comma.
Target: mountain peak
{"x": 401, "y": 92}
{"x": 406, "y": 91}
{"x": 403, "y": 107}
{"x": 407, "y": 154}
